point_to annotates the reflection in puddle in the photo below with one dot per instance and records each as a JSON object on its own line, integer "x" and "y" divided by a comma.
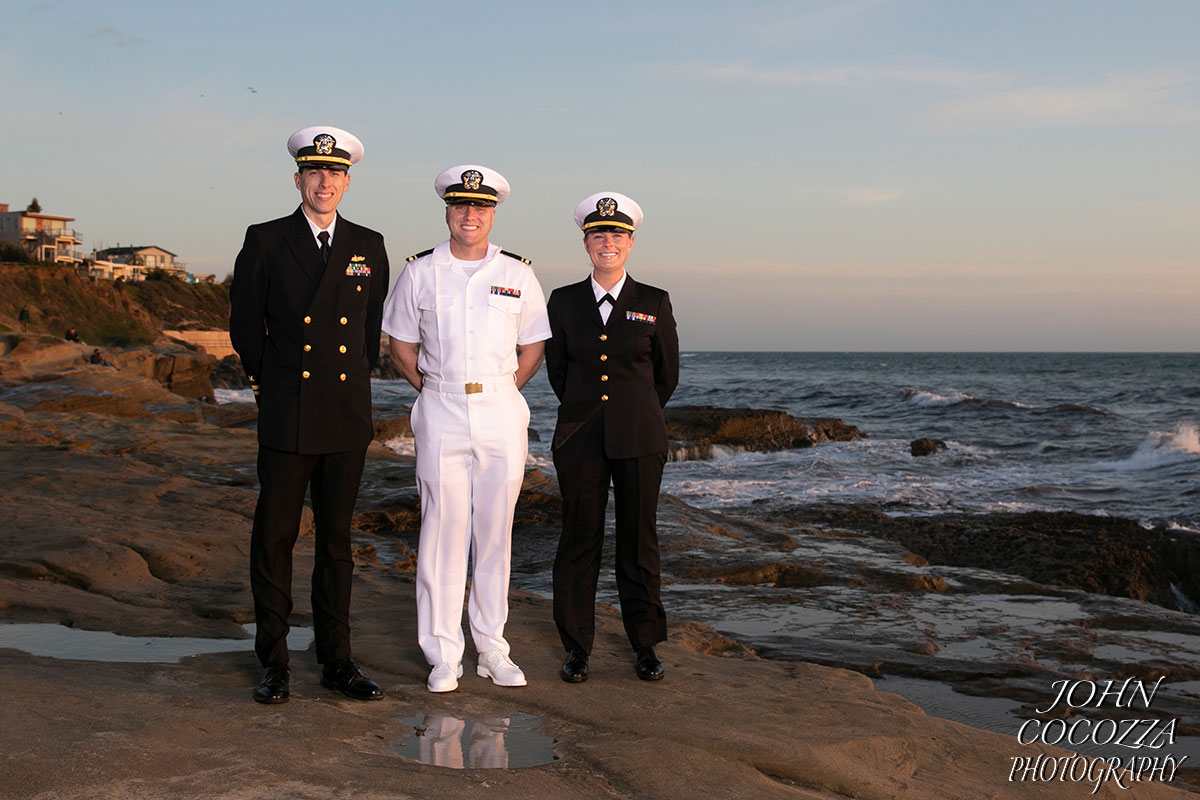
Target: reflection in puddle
{"x": 491, "y": 743}
{"x": 59, "y": 641}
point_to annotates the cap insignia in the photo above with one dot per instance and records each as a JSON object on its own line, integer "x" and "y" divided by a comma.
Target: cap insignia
{"x": 472, "y": 179}
{"x": 324, "y": 144}
{"x": 606, "y": 206}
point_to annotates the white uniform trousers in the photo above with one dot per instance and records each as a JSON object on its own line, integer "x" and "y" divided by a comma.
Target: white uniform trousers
{"x": 470, "y": 464}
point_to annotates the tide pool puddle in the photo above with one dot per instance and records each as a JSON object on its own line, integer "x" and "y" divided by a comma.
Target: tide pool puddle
{"x": 58, "y": 641}
{"x": 509, "y": 742}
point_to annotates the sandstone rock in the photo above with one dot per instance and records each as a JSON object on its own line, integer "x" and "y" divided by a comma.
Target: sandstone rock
{"x": 67, "y": 398}
{"x": 926, "y": 447}
{"x": 184, "y": 372}
{"x": 35, "y": 352}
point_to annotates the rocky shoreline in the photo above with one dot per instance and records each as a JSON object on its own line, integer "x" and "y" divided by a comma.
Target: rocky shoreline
{"x": 128, "y": 509}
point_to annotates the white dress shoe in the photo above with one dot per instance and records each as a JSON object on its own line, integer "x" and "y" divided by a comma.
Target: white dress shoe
{"x": 444, "y": 677}
{"x": 500, "y": 668}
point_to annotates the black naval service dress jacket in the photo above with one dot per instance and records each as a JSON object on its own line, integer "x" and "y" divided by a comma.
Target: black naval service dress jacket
{"x": 612, "y": 381}
{"x": 308, "y": 336}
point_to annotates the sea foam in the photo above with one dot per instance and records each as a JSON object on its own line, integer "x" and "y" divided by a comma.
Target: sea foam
{"x": 1163, "y": 448}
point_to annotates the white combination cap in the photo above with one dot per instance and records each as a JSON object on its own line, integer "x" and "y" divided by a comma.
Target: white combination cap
{"x": 325, "y": 147}
{"x": 608, "y": 211}
{"x": 471, "y": 183}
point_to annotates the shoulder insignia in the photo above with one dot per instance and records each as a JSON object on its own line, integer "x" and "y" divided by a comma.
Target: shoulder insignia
{"x": 421, "y": 254}
{"x": 522, "y": 259}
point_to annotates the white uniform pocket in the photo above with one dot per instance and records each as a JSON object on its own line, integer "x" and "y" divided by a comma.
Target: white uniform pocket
{"x": 503, "y": 315}
{"x": 436, "y": 316}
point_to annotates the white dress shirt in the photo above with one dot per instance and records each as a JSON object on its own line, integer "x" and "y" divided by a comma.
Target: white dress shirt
{"x": 316, "y": 230}
{"x": 615, "y": 291}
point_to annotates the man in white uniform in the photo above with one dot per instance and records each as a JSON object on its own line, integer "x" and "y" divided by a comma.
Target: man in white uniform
{"x": 468, "y": 324}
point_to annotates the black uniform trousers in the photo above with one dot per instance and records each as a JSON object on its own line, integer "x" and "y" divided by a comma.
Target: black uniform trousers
{"x": 284, "y": 479}
{"x": 584, "y": 475}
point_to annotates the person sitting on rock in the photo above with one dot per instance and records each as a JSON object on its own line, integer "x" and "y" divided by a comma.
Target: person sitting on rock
{"x": 72, "y": 335}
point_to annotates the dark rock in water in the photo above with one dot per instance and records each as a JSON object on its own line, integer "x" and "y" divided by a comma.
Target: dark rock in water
{"x": 228, "y": 374}
{"x": 926, "y": 447}
{"x": 1102, "y": 555}
{"x": 393, "y": 428}
{"x": 750, "y": 429}
{"x": 384, "y": 368}
{"x": 689, "y": 452}
{"x": 795, "y": 576}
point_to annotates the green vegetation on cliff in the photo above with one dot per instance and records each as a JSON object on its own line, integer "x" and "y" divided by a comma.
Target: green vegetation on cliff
{"x": 106, "y": 312}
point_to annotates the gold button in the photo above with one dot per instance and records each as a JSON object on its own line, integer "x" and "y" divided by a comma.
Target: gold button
{"x": 604, "y": 337}
{"x": 307, "y": 347}
{"x": 603, "y": 377}
{"x": 342, "y": 376}
{"x": 307, "y": 320}
{"x": 304, "y": 374}
{"x": 604, "y": 397}
{"x": 343, "y": 320}
{"x": 603, "y": 357}
{"x": 342, "y": 349}
{"x": 357, "y": 288}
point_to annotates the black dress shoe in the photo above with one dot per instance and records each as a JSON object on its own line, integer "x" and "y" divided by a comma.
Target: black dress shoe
{"x": 347, "y": 678}
{"x": 274, "y": 686}
{"x": 647, "y": 665}
{"x": 575, "y": 668}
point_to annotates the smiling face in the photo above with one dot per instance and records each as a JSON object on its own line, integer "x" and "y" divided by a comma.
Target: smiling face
{"x": 320, "y": 192}
{"x": 469, "y": 226}
{"x": 608, "y": 251}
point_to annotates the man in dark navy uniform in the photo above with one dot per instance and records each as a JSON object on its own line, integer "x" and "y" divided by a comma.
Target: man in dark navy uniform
{"x": 306, "y": 307}
{"x": 613, "y": 361}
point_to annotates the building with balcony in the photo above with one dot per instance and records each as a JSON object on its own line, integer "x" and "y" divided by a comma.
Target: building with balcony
{"x": 46, "y": 237}
{"x": 132, "y": 263}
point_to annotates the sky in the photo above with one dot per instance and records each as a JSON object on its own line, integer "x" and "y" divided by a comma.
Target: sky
{"x": 815, "y": 175}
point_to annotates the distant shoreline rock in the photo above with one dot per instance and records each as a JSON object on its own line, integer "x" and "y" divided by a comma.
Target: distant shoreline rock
{"x": 694, "y": 431}
{"x": 926, "y": 447}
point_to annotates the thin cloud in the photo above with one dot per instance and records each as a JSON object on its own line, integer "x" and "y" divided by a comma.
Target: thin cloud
{"x": 862, "y": 77}
{"x": 114, "y": 36}
{"x": 782, "y": 23}
{"x": 1155, "y": 98}
{"x": 866, "y": 196}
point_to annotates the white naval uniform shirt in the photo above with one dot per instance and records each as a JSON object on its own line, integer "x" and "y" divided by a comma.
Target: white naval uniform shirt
{"x": 468, "y": 328}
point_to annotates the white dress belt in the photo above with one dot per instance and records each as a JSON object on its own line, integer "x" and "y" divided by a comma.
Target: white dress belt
{"x": 470, "y": 387}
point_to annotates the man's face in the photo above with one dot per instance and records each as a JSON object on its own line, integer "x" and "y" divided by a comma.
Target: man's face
{"x": 469, "y": 224}
{"x": 608, "y": 250}
{"x": 321, "y": 189}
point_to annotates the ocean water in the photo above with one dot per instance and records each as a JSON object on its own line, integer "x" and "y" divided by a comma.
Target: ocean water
{"x": 1111, "y": 434}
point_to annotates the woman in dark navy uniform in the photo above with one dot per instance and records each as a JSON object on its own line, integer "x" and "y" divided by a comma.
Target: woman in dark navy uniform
{"x": 613, "y": 361}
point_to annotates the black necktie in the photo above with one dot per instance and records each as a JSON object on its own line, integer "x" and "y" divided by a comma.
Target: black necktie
{"x": 608, "y": 298}
{"x": 324, "y": 237}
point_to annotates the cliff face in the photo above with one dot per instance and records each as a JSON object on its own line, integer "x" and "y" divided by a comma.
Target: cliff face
{"x": 106, "y": 312}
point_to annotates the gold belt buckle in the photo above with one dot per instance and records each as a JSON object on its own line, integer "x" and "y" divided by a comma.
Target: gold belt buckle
{"x": 474, "y": 388}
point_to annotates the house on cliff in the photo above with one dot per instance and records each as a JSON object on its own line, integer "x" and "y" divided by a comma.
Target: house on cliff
{"x": 133, "y": 262}
{"x": 46, "y": 237}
